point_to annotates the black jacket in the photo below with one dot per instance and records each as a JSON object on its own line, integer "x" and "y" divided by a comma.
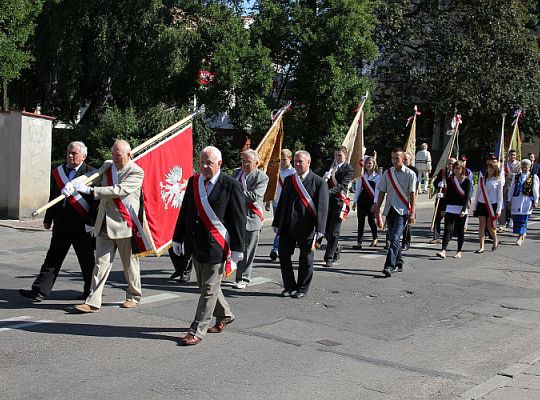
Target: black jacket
{"x": 344, "y": 176}
{"x": 291, "y": 215}
{"x": 228, "y": 202}
{"x": 62, "y": 215}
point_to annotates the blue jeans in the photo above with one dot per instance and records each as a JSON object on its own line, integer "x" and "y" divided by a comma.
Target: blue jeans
{"x": 395, "y": 224}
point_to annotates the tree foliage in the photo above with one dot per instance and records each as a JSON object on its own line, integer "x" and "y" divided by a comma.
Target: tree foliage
{"x": 16, "y": 26}
{"x": 475, "y": 56}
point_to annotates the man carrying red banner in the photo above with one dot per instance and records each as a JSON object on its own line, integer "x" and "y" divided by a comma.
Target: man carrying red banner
{"x": 211, "y": 224}
{"x": 338, "y": 178}
{"x": 254, "y": 182}
{"x": 300, "y": 218}
{"x": 68, "y": 219}
{"x": 117, "y": 225}
{"x": 399, "y": 182}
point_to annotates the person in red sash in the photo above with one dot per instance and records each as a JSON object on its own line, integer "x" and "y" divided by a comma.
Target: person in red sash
{"x": 300, "y": 219}
{"x": 285, "y": 169}
{"x": 457, "y": 200}
{"x": 211, "y": 225}
{"x": 512, "y": 167}
{"x": 119, "y": 193}
{"x": 365, "y": 196}
{"x": 254, "y": 182}
{"x": 68, "y": 219}
{"x": 338, "y": 178}
{"x": 488, "y": 204}
{"x": 440, "y": 183}
{"x": 399, "y": 182}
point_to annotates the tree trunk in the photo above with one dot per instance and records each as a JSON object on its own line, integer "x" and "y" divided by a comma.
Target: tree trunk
{"x": 5, "y": 107}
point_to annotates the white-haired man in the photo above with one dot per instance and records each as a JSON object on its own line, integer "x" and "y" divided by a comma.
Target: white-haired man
{"x": 211, "y": 227}
{"x": 68, "y": 219}
{"x": 254, "y": 182}
{"x": 119, "y": 194}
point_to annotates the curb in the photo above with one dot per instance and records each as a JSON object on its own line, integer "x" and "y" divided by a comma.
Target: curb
{"x": 502, "y": 378}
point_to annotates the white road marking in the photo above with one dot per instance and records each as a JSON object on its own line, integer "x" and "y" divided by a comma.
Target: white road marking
{"x": 371, "y": 255}
{"x": 159, "y": 297}
{"x": 27, "y": 321}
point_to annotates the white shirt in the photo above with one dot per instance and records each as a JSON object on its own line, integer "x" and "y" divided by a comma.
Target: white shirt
{"x": 283, "y": 173}
{"x": 374, "y": 177}
{"x": 494, "y": 193}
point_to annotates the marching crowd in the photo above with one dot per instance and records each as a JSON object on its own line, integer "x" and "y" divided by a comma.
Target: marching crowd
{"x": 221, "y": 217}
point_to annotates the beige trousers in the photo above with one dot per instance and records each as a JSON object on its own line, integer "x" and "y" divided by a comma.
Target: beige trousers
{"x": 211, "y": 301}
{"x": 105, "y": 252}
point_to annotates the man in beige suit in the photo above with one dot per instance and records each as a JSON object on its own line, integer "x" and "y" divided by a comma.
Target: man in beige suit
{"x": 120, "y": 189}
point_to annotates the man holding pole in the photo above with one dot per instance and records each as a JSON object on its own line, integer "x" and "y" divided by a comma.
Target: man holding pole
{"x": 70, "y": 220}
{"x": 117, "y": 225}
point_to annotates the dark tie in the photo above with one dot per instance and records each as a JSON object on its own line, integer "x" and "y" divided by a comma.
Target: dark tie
{"x": 69, "y": 170}
{"x": 206, "y": 183}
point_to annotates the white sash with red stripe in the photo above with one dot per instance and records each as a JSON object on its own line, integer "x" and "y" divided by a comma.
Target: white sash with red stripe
{"x": 399, "y": 190}
{"x": 212, "y": 222}
{"x": 304, "y": 196}
{"x": 280, "y": 181}
{"x": 253, "y": 206}
{"x": 492, "y": 217}
{"x": 457, "y": 185}
{"x": 366, "y": 186}
{"x": 129, "y": 214}
{"x": 346, "y": 206}
{"x": 76, "y": 200}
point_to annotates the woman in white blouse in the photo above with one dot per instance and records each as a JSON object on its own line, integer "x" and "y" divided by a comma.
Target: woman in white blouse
{"x": 488, "y": 204}
{"x": 523, "y": 195}
{"x": 366, "y": 194}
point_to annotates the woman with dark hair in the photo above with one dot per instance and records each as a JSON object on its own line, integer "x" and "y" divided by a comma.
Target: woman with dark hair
{"x": 523, "y": 195}
{"x": 366, "y": 194}
{"x": 488, "y": 204}
{"x": 457, "y": 200}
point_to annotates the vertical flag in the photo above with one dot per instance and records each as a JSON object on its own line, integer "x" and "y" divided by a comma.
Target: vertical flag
{"x": 515, "y": 139}
{"x": 410, "y": 143}
{"x": 354, "y": 140}
{"x": 167, "y": 167}
{"x": 269, "y": 150}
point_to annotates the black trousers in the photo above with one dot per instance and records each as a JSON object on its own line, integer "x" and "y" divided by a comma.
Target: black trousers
{"x": 438, "y": 219}
{"x": 82, "y": 243}
{"x": 287, "y": 244}
{"x": 362, "y": 214}
{"x": 181, "y": 264}
{"x": 453, "y": 223}
{"x": 332, "y": 232}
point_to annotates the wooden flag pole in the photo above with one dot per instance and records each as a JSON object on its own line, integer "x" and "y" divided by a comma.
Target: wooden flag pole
{"x": 452, "y": 140}
{"x": 107, "y": 165}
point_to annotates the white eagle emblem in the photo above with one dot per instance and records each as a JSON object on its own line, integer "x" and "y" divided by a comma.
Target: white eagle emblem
{"x": 172, "y": 191}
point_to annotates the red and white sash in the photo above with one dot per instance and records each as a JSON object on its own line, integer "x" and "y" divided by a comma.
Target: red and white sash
{"x": 506, "y": 169}
{"x": 457, "y": 185}
{"x": 366, "y": 186}
{"x": 346, "y": 206}
{"x": 76, "y": 200}
{"x": 130, "y": 215}
{"x": 492, "y": 217}
{"x": 212, "y": 222}
{"x": 253, "y": 206}
{"x": 399, "y": 190}
{"x": 304, "y": 197}
{"x": 280, "y": 181}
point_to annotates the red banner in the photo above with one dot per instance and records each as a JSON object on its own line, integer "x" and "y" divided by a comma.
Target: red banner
{"x": 167, "y": 168}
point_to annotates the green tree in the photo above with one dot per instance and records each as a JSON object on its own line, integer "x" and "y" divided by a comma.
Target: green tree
{"x": 474, "y": 56}
{"x": 17, "y": 19}
{"x": 321, "y": 49}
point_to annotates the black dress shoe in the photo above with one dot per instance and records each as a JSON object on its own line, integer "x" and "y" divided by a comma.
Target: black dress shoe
{"x": 286, "y": 293}
{"x": 329, "y": 264}
{"x": 175, "y": 275}
{"x": 387, "y": 272}
{"x": 299, "y": 295}
{"x": 31, "y": 294}
{"x": 273, "y": 255}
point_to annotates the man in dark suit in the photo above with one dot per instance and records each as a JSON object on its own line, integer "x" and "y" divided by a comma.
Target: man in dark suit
{"x": 68, "y": 219}
{"x": 300, "y": 219}
{"x": 211, "y": 224}
{"x": 338, "y": 178}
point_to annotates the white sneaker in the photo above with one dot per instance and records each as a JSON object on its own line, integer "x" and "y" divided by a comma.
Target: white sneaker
{"x": 241, "y": 285}
{"x": 519, "y": 242}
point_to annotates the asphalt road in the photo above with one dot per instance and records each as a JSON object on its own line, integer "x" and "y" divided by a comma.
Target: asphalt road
{"x": 435, "y": 330}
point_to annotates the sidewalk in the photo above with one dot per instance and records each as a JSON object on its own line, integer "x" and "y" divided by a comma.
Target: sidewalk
{"x": 519, "y": 381}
